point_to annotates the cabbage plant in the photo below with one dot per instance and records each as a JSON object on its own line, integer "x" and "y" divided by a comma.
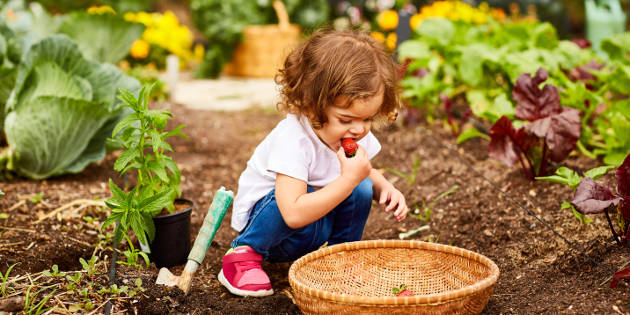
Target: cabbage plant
{"x": 61, "y": 109}
{"x": 10, "y": 51}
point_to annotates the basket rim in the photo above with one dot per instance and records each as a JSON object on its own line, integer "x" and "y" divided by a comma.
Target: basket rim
{"x": 437, "y": 298}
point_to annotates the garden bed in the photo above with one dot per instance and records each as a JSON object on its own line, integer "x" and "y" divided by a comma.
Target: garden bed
{"x": 540, "y": 272}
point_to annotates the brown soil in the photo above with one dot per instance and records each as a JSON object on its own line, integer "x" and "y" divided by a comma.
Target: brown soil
{"x": 540, "y": 272}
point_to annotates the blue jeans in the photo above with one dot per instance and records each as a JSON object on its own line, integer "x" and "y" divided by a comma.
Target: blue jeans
{"x": 267, "y": 233}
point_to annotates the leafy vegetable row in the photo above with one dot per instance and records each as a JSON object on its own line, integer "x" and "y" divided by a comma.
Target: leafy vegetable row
{"x": 490, "y": 67}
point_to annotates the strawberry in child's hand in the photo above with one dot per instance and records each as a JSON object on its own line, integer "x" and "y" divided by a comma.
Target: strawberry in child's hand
{"x": 402, "y": 291}
{"x": 349, "y": 146}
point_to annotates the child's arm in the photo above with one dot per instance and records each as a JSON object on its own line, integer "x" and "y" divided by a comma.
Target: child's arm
{"x": 299, "y": 208}
{"x": 385, "y": 192}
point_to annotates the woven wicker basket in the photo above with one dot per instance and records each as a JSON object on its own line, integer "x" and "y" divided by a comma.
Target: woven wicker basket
{"x": 264, "y": 47}
{"x": 358, "y": 277}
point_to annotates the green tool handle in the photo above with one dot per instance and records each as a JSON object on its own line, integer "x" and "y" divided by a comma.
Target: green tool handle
{"x": 212, "y": 221}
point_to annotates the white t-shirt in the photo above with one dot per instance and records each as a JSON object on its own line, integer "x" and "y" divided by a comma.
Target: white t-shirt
{"x": 292, "y": 148}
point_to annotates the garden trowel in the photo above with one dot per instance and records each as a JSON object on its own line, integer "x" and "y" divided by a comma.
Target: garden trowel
{"x": 212, "y": 221}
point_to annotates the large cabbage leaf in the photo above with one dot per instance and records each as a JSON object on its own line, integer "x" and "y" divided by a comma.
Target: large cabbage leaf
{"x": 48, "y": 135}
{"x": 62, "y": 109}
{"x": 101, "y": 37}
{"x": 10, "y": 51}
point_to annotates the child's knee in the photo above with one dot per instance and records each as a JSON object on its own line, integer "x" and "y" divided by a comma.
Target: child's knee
{"x": 363, "y": 192}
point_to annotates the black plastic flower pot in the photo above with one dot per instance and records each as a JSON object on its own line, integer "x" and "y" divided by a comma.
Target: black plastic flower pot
{"x": 171, "y": 244}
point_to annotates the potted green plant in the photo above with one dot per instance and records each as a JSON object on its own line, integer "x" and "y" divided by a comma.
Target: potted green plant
{"x": 152, "y": 209}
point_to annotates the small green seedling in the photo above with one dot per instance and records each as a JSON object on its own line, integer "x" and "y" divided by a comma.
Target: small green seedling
{"x": 427, "y": 210}
{"x": 138, "y": 288}
{"x": 89, "y": 266}
{"x": 88, "y": 219}
{"x": 114, "y": 290}
{"x": 54, "y": 272}
{"x": 4, "y": 288}
{"x": 32, "y": 308}
{"x": 411, "y": 177}
{"x": 133, "y": 256}
{"x": 36, "y": 198}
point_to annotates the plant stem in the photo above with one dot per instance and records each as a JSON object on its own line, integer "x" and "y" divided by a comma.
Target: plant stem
{"x": 543, "y": 161}
{"x": 529, "y": 173}
{"x": 526, "y": 171}
{"x": 612, "y": 229}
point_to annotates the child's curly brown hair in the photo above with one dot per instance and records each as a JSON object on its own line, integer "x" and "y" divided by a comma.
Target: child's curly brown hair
{"x": 335, "y": 63}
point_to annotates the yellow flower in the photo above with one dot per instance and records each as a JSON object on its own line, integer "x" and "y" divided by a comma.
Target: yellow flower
{"x": 415, "y": 21}
{"x": 139, "y": 49}
{"x": 390, "y": 42}
{"x": 198, "y": 52}
{"x": 387, "y": 20}
{"x": 378, "y": 36}
{"x": 479, "y": 18}
{"x": 100, "y": 10}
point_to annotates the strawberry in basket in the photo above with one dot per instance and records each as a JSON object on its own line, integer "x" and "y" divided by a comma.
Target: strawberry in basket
{"x": 402, "y": 291}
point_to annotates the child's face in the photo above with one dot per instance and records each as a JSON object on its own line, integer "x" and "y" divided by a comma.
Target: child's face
{"x": 352, "y": 122}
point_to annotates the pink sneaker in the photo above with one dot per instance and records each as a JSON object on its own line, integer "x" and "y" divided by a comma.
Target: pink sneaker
{"x": 242, "y": 273}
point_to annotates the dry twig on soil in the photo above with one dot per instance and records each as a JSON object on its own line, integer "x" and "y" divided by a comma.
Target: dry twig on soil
{"x": 79, "y": 202}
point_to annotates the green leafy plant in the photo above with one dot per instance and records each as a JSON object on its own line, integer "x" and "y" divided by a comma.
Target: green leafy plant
{"x": 30, "y": 305}
{"x": 411, "y": 177}
{"x": 4, "y": 288}
{"x": 36, "y": 198}
{"x": 56, "y": 84}
{"x": 54, "y": 272}
{"x": 89, "y": 266}
{"x": 113, "y": 290}
{"x": 571, "y": 178}
{"x": 425, "y": 215}
{"x": 133, "y": 256}
{"x": 158, "y": 177}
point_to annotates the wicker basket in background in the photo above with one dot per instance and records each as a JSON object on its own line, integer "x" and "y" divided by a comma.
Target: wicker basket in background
{"x": 263, "y": 49}
{"x": 358, "y": 277}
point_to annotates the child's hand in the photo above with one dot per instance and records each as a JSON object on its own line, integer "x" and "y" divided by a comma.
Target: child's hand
{"x": 356, "y": 168}
{"x": 395, "y": 201}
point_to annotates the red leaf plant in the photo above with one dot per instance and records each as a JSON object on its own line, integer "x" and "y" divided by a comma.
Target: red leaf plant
{"x": 593, "y": 197}
{"x": 450, "y": 114}
{"x": 551, "y": 131}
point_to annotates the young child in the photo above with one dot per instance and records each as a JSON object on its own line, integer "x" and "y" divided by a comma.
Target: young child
{"x": 299, "y": 189}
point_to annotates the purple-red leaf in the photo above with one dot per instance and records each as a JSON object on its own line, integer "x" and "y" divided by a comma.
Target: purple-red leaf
{"x": 582, "y": 73}
{"x": 420, "y": 73}
{"x": 534, "y": 103}
{"x": 561, "y": 132}
{"x": 618, "y": 276}
{"x": 625, "y": 209}
{"x": 502, "y": 146}
{"x": 623, "y": 177}
{"x": 448, "y": 106}
{"x": 592, "y": 197}
{"x": 582, "y": 42}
